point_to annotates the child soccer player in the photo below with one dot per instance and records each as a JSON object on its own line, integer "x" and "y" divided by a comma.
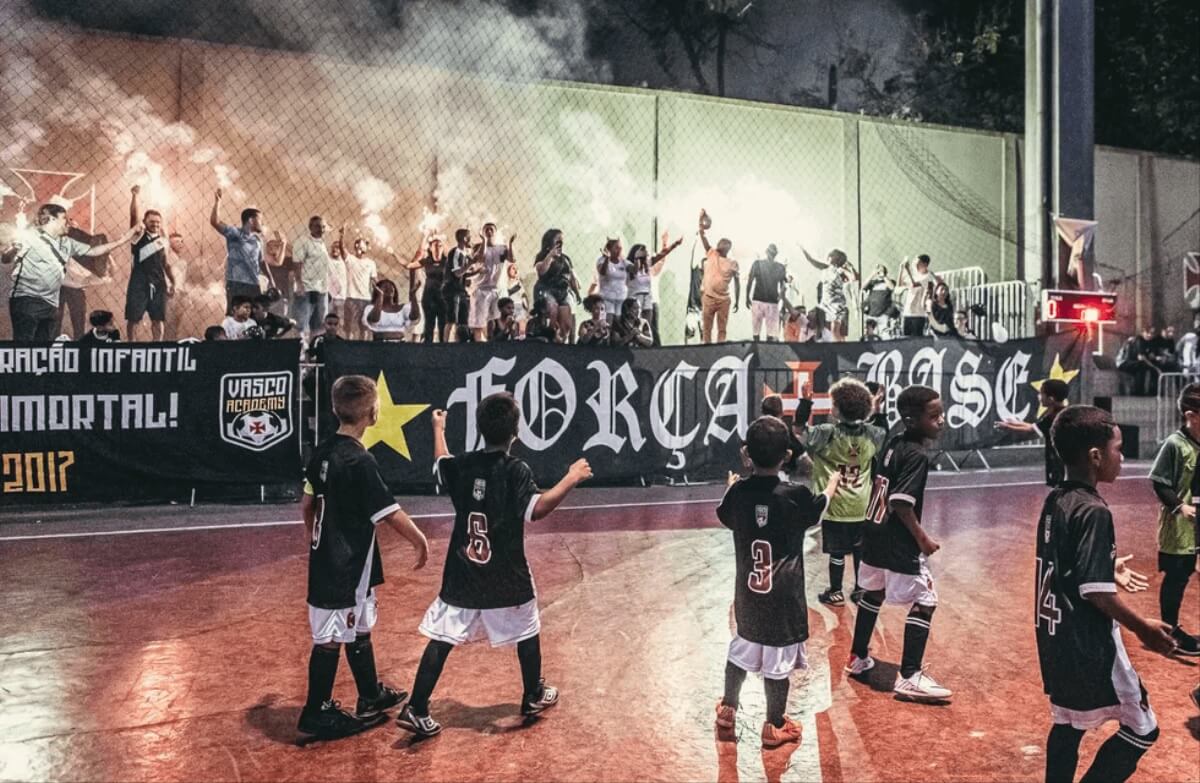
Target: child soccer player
{"x": 895, "y": 546}
{"x": 847, "y": 446}
{"x": 1053, "y": 397}
{"x": 487, "y": 589}
{"x": 796, "y": 464}
{"x": 768, "y": 518}
{"x": 344, "y": 500}
{"x": 1174, "y": 478}
{"x": 1085, "y": 669}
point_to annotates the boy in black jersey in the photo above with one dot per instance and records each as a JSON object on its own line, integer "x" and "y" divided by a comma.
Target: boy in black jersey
{"x": 895, "y": 546}
{"x": 344, "y": 500}
{"x": 1085, "y": 669}
{"x": 487, "y": 589}
{"x": 1053, "y": 397}
{"x": 768, "y": 518}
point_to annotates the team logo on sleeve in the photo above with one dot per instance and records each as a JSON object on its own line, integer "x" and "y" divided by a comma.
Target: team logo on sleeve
{"x": 760, "y": 515}
{"x": 480, "y": 489}
{"x": 256, "y": 409}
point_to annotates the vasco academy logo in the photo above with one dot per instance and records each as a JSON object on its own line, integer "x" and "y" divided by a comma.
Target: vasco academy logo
{"x": 256, "y": 409}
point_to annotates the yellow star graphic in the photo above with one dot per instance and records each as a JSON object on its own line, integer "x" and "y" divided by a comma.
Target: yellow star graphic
{"x": 389, "y": 429}
{"x": 1057, "y": 373}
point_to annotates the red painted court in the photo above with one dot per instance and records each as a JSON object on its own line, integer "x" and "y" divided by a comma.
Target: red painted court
{"x": 172, "y": 644}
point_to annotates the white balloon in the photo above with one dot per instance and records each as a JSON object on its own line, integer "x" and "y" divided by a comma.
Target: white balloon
{"x": 999, "y": 333}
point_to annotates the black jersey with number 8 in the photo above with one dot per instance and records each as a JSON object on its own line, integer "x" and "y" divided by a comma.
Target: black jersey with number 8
{"x": 494, "y": 495}
{"x": 768, "y": 519}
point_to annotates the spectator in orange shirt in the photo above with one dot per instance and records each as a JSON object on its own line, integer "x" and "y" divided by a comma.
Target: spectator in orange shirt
{"x": 719, "y": 269}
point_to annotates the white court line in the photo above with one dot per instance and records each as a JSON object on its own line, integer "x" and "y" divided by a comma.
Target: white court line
{"x": 585, "y": 507}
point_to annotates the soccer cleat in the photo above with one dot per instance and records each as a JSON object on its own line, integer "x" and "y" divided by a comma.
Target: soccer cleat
{"x": 856, "y": 666}
{"x": 920, "y": 687}
{"x": 547, "y": 699}
{"x": 726, "y": 715}
{"x": 831, "y": 597}
{"x": 330, "y": 722}
{"x": 1196, "y": 696}
{"x": 856, "y": 595}
{"x": 388, "y": 697}
{"x": 421, "y": 725}
{"x": 774, "y": 737}
{"x": 1185, "y": 643}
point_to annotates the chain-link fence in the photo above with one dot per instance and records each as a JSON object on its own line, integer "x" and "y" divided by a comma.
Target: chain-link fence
{"x": 445, "y": 116}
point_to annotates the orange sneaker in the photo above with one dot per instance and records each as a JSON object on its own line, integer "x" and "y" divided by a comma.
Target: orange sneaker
{"x": 774, "y": 737}
{"x": 726, "y": 715}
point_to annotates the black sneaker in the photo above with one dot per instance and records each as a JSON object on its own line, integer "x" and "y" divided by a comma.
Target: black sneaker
{"x": 544, "y": 701}
{"x": 1196, "y": 696}
{"x": 856, "y": 594}
{"x": 421, "y": 725}
{"x": 831, "y": 597}
{"x": 330, "y": 722}
{"x": 1185, "y": 643}
{"x": 388, "y": 697}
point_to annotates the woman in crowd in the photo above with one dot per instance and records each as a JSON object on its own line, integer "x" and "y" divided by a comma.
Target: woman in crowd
{"x": 337, "y": 281}
{"x": 595, "y": 331}
{"x": 385, "y": 317}
{"x": 430, "y": 258}
{"x": 643, "y": 279}
{"x": 879, "y": 300}
{"x": 940, "y": 310}
{"x": 835, "y": 273}
{"x": 556, "y": 283}
{"x": 541, "y": 326}
{"x": 612, "y": 277}
{"x": 631, "y": 330}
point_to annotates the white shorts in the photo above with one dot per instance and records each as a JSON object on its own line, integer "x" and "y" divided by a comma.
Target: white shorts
{"x": 1130, "y": 711}
{"x": 764, "y": 312}
{"x": 483, "y": 307}
{"x": 612, "y": 309}
{"x": 504, "y": 626}
{"x": 774, "y": 663}
{"x": 899, "y": 588}
{"x": 343, "y": 625}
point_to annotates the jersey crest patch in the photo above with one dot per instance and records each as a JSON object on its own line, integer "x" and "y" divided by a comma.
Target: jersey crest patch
{"x": 760, "y": 515}
{"x": 480, "y": 489}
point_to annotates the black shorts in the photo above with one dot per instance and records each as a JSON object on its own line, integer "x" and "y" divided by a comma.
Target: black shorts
{"x": 556, "y": 295}
{"x": 458, "y": 305}
{"x": 1178, "y": 566}
{"x": 145, "y": 298}
{"x": 841, "y": 538}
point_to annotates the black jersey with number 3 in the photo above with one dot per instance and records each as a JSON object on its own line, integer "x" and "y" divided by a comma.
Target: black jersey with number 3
{"x": 768, "y": 518}
{"x": 351, "y": 498}
{"x": 1077, "y": 643}
{"x": 901, "y": 469}
{"x": 494, "y": 495}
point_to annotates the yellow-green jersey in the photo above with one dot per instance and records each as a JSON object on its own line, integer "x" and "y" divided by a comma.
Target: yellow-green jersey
{"x": 1175, "y": 469}
{"x": 849, "y": 447}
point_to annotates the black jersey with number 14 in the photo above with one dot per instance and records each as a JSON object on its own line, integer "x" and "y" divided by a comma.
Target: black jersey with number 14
{"x": 768, "y": 518}
{"x": 494, "y": 496}
{"x": 1077, "y": 643}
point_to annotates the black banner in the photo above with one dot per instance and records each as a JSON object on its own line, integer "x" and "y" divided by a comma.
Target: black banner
{"x": 141, "y": 421}
{"x": 678, "y": 411}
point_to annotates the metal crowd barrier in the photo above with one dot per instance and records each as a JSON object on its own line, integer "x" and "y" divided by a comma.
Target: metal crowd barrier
{"x": 965, "y": 277}
{"x": 1005, "y": 303}
{"x": 1166, "y": 417}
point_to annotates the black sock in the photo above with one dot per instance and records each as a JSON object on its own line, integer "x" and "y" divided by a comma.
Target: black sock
{"x": 360, "y": 654}
{"x": 916, "y": 635}
{"x": 734, "y": 677}
{"x": 529, "y": 653}
{"x": 864, "y": 623}
{"x": 837, "y": 570}
{"x": 1119, "y": 756}
{"x": 777, "y": 693}
{"x": 1062, "y": 753}
{"x": 322, "y": 671}
{"x": 428, "y": 672}
{"x": 1170, "y": 596}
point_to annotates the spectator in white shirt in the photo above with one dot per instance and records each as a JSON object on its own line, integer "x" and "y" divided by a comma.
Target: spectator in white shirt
{"x": 310, "y": 259}
{"x": 337, "y": 280}
{"x": 361, "y": 274}
{"x": 612, "y": 277}
{"x": 237, "y": 325}
{"x": 490, "y": 257}
{"x": 920, "y": 289}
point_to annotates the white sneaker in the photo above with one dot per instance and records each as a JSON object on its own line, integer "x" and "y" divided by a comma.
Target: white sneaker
{"x": 858, "y": 665}
{"x": 920, "y": 687}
